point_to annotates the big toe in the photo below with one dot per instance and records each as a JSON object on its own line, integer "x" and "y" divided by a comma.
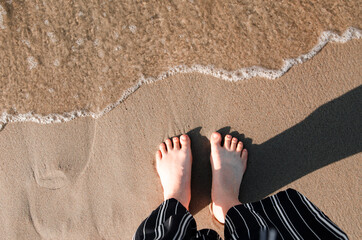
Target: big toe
{"x": 185, "y": 141}
{"x": 215, "y": 139}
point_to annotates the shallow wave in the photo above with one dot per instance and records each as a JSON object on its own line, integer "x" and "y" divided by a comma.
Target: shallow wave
{"x": 232, "y": 76}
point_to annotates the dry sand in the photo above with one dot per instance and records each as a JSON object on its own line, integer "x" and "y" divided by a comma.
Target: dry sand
{"x": 95, "y": 179}
{"x": 60, "y": 56}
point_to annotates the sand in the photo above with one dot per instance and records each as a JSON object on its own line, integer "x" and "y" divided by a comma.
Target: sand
{"x": 95, "y": 178}
{"x": 60, "y": 56}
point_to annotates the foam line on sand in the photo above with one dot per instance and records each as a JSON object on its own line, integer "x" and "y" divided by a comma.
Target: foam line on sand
{"x": 232, "y": 76}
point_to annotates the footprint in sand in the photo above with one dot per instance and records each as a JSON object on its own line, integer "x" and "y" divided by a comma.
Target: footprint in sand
{"x": 59, "y": 153}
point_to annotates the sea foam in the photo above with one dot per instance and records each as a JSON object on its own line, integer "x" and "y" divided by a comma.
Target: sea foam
{"x": 232, "y": 76}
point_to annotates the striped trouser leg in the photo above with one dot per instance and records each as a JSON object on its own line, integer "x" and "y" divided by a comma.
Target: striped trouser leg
{"x": 285, "y": 215}
{"x": 170, "y": 220}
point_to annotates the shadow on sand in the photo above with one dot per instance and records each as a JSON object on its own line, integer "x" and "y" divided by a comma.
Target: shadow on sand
{"x": 331, "y": 133}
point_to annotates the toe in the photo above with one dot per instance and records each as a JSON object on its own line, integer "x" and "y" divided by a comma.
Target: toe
{"x": 185, "y": 141}
{"x": 227, "y": 142}
{"x": 239, "y": 147}
{"x": 244, "y": 155}
{"x": 168, "y": 144}
{"x": 163, "y": 148}
{"x": 216, "y": 139}
{"x": 176, "y": 143}
{"x": 234, "y": 141}
{"x": 158, "y": 155}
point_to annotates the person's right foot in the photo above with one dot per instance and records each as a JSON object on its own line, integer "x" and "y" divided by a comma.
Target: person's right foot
{"x": 228, "y": 164}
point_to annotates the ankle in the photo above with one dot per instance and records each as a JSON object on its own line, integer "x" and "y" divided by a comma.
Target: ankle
{"x": 184, "y": 200}
{"x": 226, "y": 204}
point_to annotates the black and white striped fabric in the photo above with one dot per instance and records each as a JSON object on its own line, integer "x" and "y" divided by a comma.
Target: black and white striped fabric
{"x": 285, "y": 215}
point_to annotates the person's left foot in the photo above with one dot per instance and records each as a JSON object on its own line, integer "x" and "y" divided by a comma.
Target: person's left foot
{"x": 173, "y": 164}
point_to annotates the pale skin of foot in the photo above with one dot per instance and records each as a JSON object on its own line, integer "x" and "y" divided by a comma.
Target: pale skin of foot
{"x": 173, "y": 164}
{"x": 174, "y": 161}
{"x": 228, "y": 164}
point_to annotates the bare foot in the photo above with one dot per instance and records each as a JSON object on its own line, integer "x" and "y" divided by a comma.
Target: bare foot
{"x": 173, "y": 164}
{"x": 228, "y": 166}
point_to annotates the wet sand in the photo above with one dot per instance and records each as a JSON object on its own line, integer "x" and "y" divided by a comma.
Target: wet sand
{"x": 60, "y": 56}
{"x": 95, "y": 178}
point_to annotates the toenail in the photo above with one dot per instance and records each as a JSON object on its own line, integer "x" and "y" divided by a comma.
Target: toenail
{"x": 183, "y": 137}
{"x": 175, "y": 138}
{"x": 228, "y": 136}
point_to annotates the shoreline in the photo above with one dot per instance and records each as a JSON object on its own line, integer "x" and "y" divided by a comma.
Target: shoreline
{"x": 233, "y": 76}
